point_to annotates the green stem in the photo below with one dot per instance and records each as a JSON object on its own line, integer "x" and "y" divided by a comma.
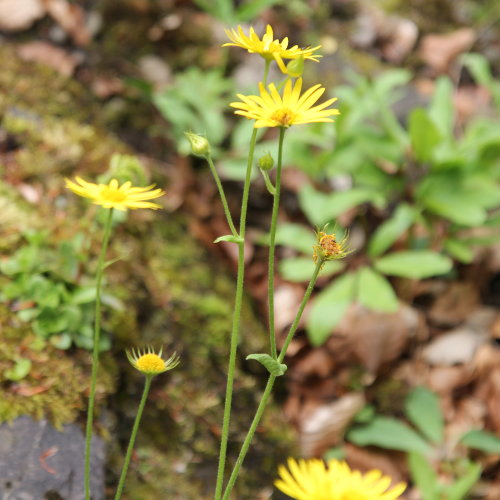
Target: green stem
{"x": 269, "y": 184}
{"x": 236, "y": 321}
{"x": 269, "y": 385}
{"x": 272, "y": 245}
{"x": 222, "y": 195}
{"x": 266, "y": 72}
{"x": 95, "y": 351}
{"x": 133, "y": 435}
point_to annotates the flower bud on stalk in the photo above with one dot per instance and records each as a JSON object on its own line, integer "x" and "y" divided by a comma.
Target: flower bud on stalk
{"x": 199, "y": 144}
{"x": 266, "y": 162}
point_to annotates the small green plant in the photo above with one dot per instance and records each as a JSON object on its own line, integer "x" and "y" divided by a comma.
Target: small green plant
{"x": 42, "y": 282}
{"x": 430, "y": 454}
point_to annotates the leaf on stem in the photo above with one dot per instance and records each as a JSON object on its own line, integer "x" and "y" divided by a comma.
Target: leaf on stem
{"x": 273, "y": 366}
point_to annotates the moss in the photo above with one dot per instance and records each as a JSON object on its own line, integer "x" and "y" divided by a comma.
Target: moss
{"x": 55, "y": 387}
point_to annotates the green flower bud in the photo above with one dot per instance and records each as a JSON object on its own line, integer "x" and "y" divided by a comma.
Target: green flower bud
{"x": 266, "y": 162}
{"x": 125, "y": 168}
{"x": 199, "y": 144}
{"x": 295, "y": 67}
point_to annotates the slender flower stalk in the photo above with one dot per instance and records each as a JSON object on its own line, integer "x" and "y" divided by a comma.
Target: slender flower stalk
{"x": 95, "y": 351}
{"x": 272, "y": 245}
{"x": 133, "y": 435}
{"x": 236, "y": 321}
{"x": 269, "y": 386}
{"x": 222, "y": 195}
{"x": 150, "y": 364}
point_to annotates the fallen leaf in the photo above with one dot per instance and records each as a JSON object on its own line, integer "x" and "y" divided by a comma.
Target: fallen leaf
{"x": 454, "y": 347}
{"x": 439, "y": 51}
{"x": 45, "y": 53}
{"x": 18, "y": 15}
{"x": 325, "y": 426}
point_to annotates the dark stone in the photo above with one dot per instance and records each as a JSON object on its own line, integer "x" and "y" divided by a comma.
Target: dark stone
{"x": 38, "y": 462}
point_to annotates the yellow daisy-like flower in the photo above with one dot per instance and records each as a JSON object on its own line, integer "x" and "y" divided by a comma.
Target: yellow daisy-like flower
{"x": 269, "y": 48}
{"x": 271, "y": 110}
{"x": 150, "y": 363}
{"x": 314, "y": 480}
{"x": 113, "y": 195}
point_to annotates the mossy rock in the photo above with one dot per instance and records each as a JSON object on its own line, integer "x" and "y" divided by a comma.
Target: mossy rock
{"x": 174, "y": 294}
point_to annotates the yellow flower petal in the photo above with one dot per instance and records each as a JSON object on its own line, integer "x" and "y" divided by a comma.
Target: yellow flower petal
{"x": 112, "y": 195}
{"x": 270, "y": 109}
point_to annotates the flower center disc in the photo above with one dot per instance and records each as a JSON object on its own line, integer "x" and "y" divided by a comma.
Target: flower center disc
{"x": 151, "y": 363}
{"x": 284, "y": 116}
{"x": 115, "y": 195}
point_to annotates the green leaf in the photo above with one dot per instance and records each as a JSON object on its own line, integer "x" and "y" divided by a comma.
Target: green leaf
{"x": 62, "y": 341}
{"x": 84, "y": 295}
{"x": 424, "y": 135}
{"x": 337, "y": 453}
{"x": 481, "y": 440}
{"x": 459, "y": 250}
{"x": 321, "y": 208}
{"x": 20, "y": 370}
{"x": 389, "y": 433}
{"x": 375, "y": 292}
{"x": 388, "y": 232}
{"x": 229, "y": 237}
{"x": 423, "y": 476}
{"x": 422, "y": 408}
{"x": 441, "y": 110}
{"x": 328, "y": 308}
{"x": 459, "y": 489}
{"x": 273, "y": 366}
{"x": 300, "y": 269}
{"x": 296, "y": 236}
{"x": 414, "y": 264}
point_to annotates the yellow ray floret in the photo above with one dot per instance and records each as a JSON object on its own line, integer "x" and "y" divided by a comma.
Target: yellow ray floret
{"x": 270, "y": 109}
{"x": 113, "y": 195}
{"x": 314, "y": 480}
{"x": 269, "y": 48}
{"x": 150, "y": 363}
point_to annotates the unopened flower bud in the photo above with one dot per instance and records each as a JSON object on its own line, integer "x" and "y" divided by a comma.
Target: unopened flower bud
{"x": 266, "y": 162}
{"x": 295, "y": 67}
{"x": 199, "y": 144}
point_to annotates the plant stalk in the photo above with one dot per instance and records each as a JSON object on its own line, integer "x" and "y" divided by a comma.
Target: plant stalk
{"x": 236, "y": 321}
{"x": 270, "y": 384}
{"x": 133, "y": 435}
{"x": 95, "y": 351}
{"x": 272, "y": 245}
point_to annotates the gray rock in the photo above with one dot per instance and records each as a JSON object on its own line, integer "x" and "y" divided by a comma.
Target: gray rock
{"x": 38, "y": 462}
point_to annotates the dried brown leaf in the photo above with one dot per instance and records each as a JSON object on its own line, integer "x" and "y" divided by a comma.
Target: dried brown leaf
{"x": 48, "y": 54}
{"x": 71, "y": 18}
{"x": 18, "y": 15}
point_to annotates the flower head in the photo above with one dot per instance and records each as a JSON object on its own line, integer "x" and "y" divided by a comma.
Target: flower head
{"x": 328, "y": 248}
{"x": 314, "y": 480}
{"x": 269, "y": 48}
{"x": 270, "y": 109}
{"x": 112, "y": 195}
{"x": 150, "y": 363}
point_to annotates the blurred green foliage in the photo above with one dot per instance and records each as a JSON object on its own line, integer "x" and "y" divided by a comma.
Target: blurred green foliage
{"x": 429, "y": 456}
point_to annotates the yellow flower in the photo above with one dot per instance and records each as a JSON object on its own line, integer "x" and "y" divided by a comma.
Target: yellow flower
{"x": 150, "y": 363}
{"x": 313, "y": 480}
{"x": 113, "y": 195}
{"x": 271, "y": 110}
{"x": 269, "y": 48}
